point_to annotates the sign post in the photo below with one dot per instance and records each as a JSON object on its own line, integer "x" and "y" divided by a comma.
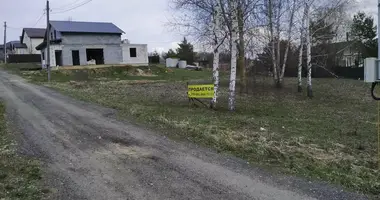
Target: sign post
{"x": 197, "y": 91}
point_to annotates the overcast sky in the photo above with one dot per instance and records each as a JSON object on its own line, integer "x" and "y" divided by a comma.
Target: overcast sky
{"x": 142, "y": 20}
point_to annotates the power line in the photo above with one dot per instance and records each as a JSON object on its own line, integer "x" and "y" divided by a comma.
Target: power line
{"x": 39, "y": 19}
{"x": 66, "y": 5}
{"x": 82, "y": 4}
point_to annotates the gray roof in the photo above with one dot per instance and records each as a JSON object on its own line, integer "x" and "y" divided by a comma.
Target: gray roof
{"x": 85, "y": 27}
{"x": 19, "y": 45}
{"x": 9, "y": 44}
{"x": 14, "y": 44}
{"x": 34, "y": 32}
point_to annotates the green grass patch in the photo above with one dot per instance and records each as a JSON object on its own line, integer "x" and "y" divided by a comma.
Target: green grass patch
{"x": 19, "y": 176}
{"x": 112, "y": 73}
{"x": 22, "y": 66}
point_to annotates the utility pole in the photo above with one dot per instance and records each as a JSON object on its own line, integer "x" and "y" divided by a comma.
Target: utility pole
{"x": 378, "y": 29}
{"x": 5, "y": 42}
{"x": 48, "y": 39}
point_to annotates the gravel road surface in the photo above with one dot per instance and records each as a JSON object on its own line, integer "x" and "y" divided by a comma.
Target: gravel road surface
{"x": 89, "y": 154}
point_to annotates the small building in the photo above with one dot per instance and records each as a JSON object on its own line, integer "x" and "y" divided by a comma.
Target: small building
{"x": 342, "y": 54}
{"x": 19, "y": 48}
{"x": 13, "y": 47}
{"x": 172, "y": 62}
{"x": 135, "y": 54}
{"x": 31, "y": 38}
{"x": 77, "y": 43}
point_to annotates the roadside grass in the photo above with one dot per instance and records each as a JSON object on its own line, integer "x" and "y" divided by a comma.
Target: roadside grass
{"x": 18, "y": 66}
{"x": 331, "y": 137}
{"x": 110, "y": 73}
{"x": 19, "y": 176}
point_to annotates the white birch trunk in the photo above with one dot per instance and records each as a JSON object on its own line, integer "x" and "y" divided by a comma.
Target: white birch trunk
{"x": 217, "y": 38}
{"x": 278, "y": 41}
{"x": 271, "y": 31}
{"x": 300, "y": 65}
{"x": 308, "y": 52}
{"x": 288, "y": 41}
{"x": 300, "y": 56}
{"x": 234, "y": 42}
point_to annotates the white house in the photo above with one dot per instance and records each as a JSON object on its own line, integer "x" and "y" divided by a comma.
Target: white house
{"x": 20, "y": 48}
{"x": 32, "y": 37}
{"x": 77, "y": 43}
{"x": 135, "y": 54}
{"x": 15, "y": 47}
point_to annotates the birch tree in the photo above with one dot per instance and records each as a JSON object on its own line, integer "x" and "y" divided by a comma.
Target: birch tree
{"x": 234, "y": 42}
{"x": 289, "y": 35}
{"x": 330, "y": 18}
{"x": 244, "y": 10}
{"x": 308, "y": 50}
{"x": 216, "y": 27}
{"x": 278, "y": 12}
{"x": 271, "y": 32}
{"x": 300, "y": 56}
{"x": 241, "y": 45}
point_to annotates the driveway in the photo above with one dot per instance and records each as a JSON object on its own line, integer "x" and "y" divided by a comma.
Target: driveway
{"x": 88, "y": 154}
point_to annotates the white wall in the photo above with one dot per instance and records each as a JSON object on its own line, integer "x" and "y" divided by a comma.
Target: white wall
{"x": 21, "y": 51}
{"x": 53, "y": 48}
{"x": 32, "y": 43}
{"x": 26, "y": 41}
{"x": 141, "y": 57}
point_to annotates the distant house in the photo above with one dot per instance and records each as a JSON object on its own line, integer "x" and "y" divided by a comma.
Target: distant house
{"x": 76, "y": 43}
{"x": 350, "y": 55}
{"x": 32, "y": 37}
{"x": 341, "y": 54}
{"x": 14, "y": 47}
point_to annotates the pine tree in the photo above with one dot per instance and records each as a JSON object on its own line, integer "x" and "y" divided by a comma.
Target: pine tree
{"x": 363, "y": 30}
{"x": 186, "y": 51}
{"x": 171, "y": 54}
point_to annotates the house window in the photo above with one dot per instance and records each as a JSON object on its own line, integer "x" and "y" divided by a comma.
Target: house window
{"x": 51, "y": 35}
{"x": 132, "y": 52}
{"x": 55, "y": 34}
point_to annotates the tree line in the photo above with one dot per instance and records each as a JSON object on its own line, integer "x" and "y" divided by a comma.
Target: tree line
{"x": 274, "y": 32}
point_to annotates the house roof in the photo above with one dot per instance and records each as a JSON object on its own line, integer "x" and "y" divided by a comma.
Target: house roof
{"x": 10, "y": 43}
{"x": 85, "y": 27}
{"x": 35, "y": 32}
{"x": 19, "y": 45}
{"x": 32, "y": 33}
{"x": 14, "y": 44}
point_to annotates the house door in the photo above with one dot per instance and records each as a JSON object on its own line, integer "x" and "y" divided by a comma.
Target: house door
{"x": 75, "y": 54}
{"x": 58, "y": 58}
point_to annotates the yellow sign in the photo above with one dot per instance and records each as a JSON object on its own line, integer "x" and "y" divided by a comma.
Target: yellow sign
{"x": 205, "y": 91}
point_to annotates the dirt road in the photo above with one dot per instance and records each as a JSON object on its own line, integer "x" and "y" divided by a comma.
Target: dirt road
{"x": 88, "y": 154}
